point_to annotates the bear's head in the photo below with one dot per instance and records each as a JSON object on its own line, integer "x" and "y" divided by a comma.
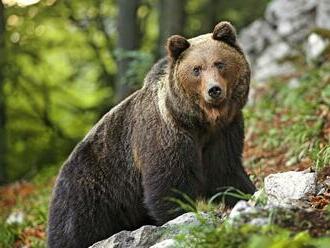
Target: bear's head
{"x": 209, "y": 76}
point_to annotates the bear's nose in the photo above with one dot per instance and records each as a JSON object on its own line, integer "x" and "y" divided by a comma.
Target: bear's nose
{"x": 214, "y": 92}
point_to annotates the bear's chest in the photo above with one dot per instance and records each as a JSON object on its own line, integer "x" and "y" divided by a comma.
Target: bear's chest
{"x": 215, "y": 163}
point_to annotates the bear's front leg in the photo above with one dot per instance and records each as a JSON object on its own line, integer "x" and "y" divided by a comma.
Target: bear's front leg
{"x": 172, "y": 169}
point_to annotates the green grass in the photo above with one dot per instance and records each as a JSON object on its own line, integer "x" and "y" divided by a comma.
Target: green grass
{"x": 247, "y": 236}
{"x": 293, "y": 118}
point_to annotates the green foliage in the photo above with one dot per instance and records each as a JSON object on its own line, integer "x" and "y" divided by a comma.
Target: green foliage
{"x": 246, "y": 236}
{"x": 51, "y": 65}
{"x": 240, "y": 13}
{"x": 231, "y": 192}
{"x": 260, "y": 198}
{"x": 183, "y": 201}
{"x": 139, "y": 65}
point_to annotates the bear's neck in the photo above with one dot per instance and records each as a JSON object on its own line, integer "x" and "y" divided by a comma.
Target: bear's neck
{"x": 178, "y": 112}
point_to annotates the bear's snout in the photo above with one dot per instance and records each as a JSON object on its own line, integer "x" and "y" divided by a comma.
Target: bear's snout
{"x": 214, "y": 92}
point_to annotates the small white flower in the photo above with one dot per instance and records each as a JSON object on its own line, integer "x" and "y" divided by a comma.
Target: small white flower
{"x": 16, "y": 217}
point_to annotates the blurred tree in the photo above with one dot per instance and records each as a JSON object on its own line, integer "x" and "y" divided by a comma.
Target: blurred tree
{"x": 212, "y": 17}
{"x": 128, "y": 40}
{"x": 54, "y": 83}
{"x": 3, "y": 138}
{"x": 172, "y": 17}
{"x": 203, "y": 15}
{"x": 95, "y": 19}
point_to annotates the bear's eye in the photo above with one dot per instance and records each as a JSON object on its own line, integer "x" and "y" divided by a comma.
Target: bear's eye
{"x": 220, "y": 65}
{"x": 197, "y": 71}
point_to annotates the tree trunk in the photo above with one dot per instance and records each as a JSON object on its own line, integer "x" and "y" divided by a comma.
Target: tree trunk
{"x": 172, "y": 18}
{"x": 128, "y": 40}
{"x": 3, "y": 174}
{"x": 212, "y": 18}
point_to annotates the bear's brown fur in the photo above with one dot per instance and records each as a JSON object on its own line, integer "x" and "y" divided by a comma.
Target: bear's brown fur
{"x": 183, "y": 130}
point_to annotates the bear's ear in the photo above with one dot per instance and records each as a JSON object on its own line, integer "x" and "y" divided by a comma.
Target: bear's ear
{"x": 225, "y": 32}
{"x": 176, "y": 44}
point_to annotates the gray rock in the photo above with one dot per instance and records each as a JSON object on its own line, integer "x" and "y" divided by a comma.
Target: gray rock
{"x": 260, "y": 221}
{"x": 275, "y": 52}
{"x": 292, "y": 19}
{"x": 278, "y": 10}
{"x": 151, "y": 236}
{"x": 315, "y": 46}
{"x": 145, "y": 236}
{"x": 167, "y": 243}
{"x": 285, "y": 26}
{"x": 268, "y": 64}
{"x": 185, "y": 219}
{"x": 241, "y": 207}
{"x": 323, "y": 14}
{"x": 282, "y": 192}
{"x": 289, "y": 188}
{"x": 244, "y": 212}
{"x": 256, "y": 37}
{"x": 264, "y": 72}
{"x": 321, "y": 191}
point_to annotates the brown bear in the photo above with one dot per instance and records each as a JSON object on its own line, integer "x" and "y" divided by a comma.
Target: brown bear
{"x": 182, "y": 132}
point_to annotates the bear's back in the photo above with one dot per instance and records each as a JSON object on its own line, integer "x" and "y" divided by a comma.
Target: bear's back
{"x": 156, "y": 72}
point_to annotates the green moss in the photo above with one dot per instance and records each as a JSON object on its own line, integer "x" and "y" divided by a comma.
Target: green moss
{"x": 323, "y": 32}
